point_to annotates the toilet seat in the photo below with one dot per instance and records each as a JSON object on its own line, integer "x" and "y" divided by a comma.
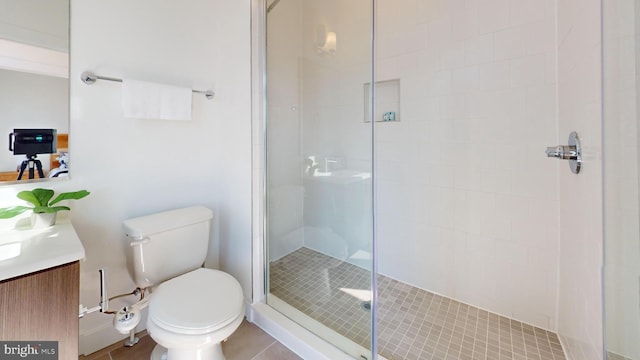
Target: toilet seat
{"x": 199, "y": 302}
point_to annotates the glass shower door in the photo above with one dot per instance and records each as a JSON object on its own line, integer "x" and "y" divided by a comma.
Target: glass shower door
{"x": 319, "y": 156}
{"x": 621, "y": 30}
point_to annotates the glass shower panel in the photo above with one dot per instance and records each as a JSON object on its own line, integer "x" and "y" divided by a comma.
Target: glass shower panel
{"x": 319, "y": 156}
{"x": 622, "y": 215}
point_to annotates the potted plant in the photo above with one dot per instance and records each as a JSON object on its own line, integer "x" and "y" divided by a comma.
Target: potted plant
{"x": 44, "y": 211}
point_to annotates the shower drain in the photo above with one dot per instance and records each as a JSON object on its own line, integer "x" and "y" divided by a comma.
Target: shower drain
{"x": 366, "y": 305}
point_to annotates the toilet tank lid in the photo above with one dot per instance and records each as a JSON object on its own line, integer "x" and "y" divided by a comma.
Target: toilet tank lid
{"x": 155, "y": 223}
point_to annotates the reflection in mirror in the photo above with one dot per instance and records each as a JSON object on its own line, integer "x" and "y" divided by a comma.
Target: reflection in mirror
{"x": 34, "y": 85}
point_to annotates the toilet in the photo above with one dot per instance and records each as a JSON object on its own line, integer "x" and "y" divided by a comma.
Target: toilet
{"x": 191, "y": 309}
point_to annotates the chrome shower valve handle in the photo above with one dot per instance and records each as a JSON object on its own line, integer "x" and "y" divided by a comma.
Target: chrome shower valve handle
{"x": 564, "y": 152}
{"x": 571, "y": 152}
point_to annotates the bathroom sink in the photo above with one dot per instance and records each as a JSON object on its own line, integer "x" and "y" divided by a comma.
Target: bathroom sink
{"x": 342, "y": 176}
{"x": 10, "y": 250}
{"x": 13, "y": 242}
{"x": 24, "y": 250}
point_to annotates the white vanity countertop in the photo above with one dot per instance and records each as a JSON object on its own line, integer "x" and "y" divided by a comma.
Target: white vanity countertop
{"x": 38, "y": 249}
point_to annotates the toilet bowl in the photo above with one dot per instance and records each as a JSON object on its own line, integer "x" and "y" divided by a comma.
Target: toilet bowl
{"x": 192, "y": 314}
{"x": 191, "y": 309}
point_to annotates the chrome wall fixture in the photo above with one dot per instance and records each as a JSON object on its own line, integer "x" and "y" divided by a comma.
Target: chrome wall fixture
{"x": 571, "y": 152}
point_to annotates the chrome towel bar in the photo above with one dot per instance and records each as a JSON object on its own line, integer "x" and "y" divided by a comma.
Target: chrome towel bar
{"x": 90, "y": 78}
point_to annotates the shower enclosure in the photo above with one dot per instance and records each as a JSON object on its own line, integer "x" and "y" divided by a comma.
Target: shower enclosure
{"x": 410, "y": 210}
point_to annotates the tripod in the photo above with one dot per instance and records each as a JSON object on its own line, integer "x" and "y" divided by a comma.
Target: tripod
{"x": 30, "y": 163}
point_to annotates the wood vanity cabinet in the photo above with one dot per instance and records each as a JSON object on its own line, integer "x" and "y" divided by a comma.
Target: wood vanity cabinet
{"x": 11, "y": 176}
{"x": 43, "y": 306}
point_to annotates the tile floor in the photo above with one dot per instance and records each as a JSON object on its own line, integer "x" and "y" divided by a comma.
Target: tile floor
{"x": 249, "y": 342}
{"x": 413, "y": 323}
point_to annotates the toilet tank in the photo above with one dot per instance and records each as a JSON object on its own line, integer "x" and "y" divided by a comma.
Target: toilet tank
{"x": 168, "y": 244}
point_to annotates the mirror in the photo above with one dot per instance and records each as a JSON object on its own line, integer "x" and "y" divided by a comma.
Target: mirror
{"x": 34, "y": 85}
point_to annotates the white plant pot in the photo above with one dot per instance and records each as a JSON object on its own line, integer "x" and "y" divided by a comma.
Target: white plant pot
{"x": 43, "y": 220}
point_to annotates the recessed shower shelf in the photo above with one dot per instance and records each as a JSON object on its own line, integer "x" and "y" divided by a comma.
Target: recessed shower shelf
{"x": 387, "y": 103}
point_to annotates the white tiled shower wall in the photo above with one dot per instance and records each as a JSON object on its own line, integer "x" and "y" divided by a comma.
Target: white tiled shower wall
{"x": 466, "y": 198}
{"x": 580, "y": 109}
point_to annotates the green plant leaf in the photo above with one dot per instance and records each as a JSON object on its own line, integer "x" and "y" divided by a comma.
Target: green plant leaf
{"x": 76, "y": 195}
{"x": 43, "y": 195}
{"x": 10, "y": 212}
{"x": 48, "y": 210}
{"x": 30, "y": 197}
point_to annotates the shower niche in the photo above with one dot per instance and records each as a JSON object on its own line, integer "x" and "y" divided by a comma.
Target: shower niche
{"x": 387, "y": 103}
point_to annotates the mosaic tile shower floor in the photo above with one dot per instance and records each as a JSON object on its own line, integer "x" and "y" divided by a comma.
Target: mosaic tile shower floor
{"x": 413, "y": 323}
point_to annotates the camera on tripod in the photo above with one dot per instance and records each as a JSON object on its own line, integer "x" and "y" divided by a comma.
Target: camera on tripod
{"x": 32, "y": 142}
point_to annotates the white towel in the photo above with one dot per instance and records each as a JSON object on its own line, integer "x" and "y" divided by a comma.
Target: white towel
{"x": 146, "y": 100}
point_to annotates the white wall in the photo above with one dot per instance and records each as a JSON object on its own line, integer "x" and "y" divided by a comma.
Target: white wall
{"x": 30, "y": 101}
{"x": 580, "y": 109}
{"x": 137, "y": 167}
{"x": 42, "y": 23}
{"x": 466, "y": 198}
